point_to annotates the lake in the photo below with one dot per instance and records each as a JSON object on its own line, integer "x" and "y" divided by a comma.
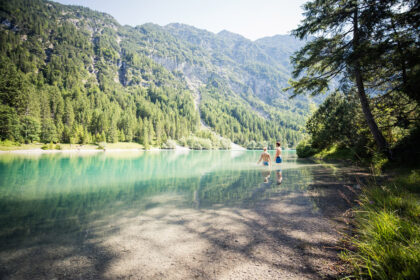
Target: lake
{"x": 169, "y": 215}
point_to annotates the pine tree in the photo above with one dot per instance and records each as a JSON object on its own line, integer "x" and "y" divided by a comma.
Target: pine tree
{"x": 48, "y": 131}
{"x": 145, "y": 135}
{"x": 9, "y": 123}
{"x": 30, "y": 129}
{"x": 347, "y": 39}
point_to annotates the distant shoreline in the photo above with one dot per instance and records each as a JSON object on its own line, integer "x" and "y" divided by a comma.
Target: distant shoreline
{"x": 82, "y": 150}
{"x": 89, "y": 148}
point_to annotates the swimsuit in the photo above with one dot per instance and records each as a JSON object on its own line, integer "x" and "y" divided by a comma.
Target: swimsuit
{"x": 278, "y": 160}
{"x": 265, "y": 163}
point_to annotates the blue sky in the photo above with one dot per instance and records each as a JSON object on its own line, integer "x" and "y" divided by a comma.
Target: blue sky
{"x": 252, "y": 19}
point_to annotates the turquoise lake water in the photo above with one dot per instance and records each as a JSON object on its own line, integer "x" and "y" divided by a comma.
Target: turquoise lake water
{"x": 39, "y": 193}
{"x": 60, "y": 199}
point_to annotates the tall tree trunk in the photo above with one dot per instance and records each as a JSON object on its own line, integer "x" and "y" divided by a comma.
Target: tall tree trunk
{"x": 373, "y": 127}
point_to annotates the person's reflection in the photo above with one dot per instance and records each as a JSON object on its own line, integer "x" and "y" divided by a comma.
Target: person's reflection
{"x": 279, "y": 176}
{"x": 266, "y": 175}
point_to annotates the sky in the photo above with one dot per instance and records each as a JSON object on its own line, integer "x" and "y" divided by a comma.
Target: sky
{"x": 252, "y": 19}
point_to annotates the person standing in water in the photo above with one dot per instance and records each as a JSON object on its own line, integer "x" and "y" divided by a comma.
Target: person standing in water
{"x": 265, "y": 157}
{"x": 278, "y": 153}
{"x": 278, "y": 161}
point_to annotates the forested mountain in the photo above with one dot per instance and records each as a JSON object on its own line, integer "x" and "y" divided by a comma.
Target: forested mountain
{"x": 70, "y": 74}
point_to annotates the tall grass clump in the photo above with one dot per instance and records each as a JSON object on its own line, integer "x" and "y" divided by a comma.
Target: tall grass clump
{"x": 386, "y": 243}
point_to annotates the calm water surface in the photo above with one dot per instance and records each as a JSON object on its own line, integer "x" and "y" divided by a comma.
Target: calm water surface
{"x": 64, "y": 192}
{"x": 63, "y": 198}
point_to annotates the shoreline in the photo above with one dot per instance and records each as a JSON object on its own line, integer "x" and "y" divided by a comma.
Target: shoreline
{"x": 90, "y": 149}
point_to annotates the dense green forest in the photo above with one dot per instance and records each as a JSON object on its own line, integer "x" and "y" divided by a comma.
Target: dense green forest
{"x": 72, "y": 75}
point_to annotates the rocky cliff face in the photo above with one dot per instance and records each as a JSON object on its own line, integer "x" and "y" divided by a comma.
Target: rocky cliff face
{"x": 261, "y": 68}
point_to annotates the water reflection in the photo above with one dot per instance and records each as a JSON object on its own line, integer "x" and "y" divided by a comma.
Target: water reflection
{"x": 266, "y": 176}
{"x": 279, "y": 176}
{"x": 50, "y": 199}
{"x": 64, "y": 192}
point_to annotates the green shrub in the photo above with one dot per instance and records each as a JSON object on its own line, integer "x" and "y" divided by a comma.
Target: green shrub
{"x": 304, "y": 149}
{"x": 251, "y": 145}
{"x": 101, "y": 146}
{"x": 183, "y": 142}
{"x": 224, "y": 144}
{"x": 9, "y": 143}
{"x": 49, "y": 146}
{"x": 58, "y": 147}
{"x": 170, "y": 144}
{"x": 336, "y": 152}
{"x": 197, "y": 143}
{"x": 378, "y": 162}
{"x": 205, "y": 144}
{"x": 193, "y": 143}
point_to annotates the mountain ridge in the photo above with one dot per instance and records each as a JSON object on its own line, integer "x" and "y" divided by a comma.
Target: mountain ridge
{"x": 73, "y": 48}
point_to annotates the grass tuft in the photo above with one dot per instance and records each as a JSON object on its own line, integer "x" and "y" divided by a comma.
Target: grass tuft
{"x": 386, "y": 244}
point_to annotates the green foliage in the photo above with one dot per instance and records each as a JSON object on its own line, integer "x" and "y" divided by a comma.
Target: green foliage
{"x": 72, "y": 75}
{"x": 242, "y": 125}
{"x": 382, "y": 39}
{"x": 51, "y": 91}
{"x": 387, "y": 240}
{"x": 9, "y": 123}
{"x": 197, "y": 143}
{"x": 101, "y": 146}
{"x": 370, "y": 49}
{"x": 378, "y": 162}
{"x": 170, "y": 144}
{"x": 216, "y": 142}
{"x": 333, "y": 122}
{"x": 48, "y": 131}
{"x": 224, "y": 144}
{"x": 338, "y": 126}
{"x": 338, "y": 131}
{"x": 336, "y": 152}
{"x": 304, "y": 149}
{"x": 49, "y": 146}
{"x": 30, "y": 129}
{"x": 8, "y": 143}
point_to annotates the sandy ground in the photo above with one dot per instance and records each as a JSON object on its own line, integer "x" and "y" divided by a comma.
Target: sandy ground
{"x": 292, "y": 235}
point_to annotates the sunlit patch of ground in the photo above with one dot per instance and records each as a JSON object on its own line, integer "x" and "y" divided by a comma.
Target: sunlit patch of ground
{"x": 281, "y": 238}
